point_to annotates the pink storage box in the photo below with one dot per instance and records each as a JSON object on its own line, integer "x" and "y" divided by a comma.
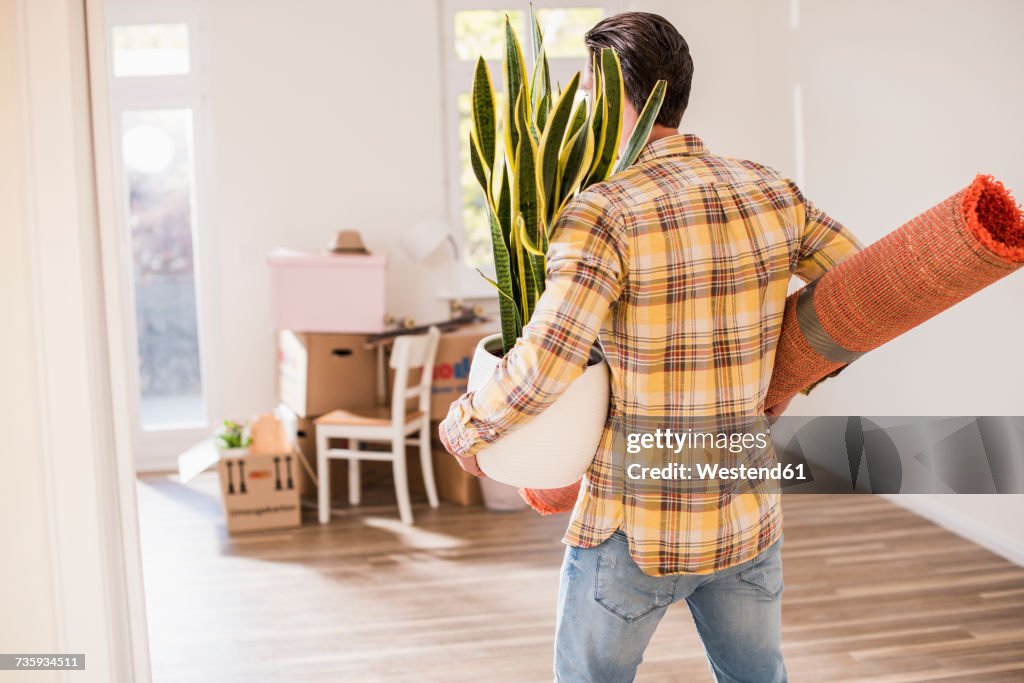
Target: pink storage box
{"x": 324, "y": 292}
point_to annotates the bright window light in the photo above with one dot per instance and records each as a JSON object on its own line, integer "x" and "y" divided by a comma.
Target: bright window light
{"x": 151, "y": 50}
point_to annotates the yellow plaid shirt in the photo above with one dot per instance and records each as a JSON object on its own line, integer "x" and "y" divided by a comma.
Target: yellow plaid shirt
{"x": 679, "y": 266}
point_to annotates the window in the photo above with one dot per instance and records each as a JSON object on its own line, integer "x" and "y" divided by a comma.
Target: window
{"x": 158, "y": 110}
{"x": 156, "y": 150}
{"x": 150, "y": 50}
{"x": 478, "y": 30}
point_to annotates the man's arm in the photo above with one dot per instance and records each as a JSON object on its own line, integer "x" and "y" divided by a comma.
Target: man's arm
{"x": 586, "y": 266}
{"x": 824, "y": 241}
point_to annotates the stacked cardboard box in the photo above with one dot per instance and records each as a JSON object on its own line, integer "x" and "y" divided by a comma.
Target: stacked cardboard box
{"x": 318, "y": 373}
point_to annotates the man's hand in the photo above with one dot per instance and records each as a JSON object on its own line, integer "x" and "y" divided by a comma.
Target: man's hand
{"x": 468, "y": 463}
{"x": 776, "y": 411}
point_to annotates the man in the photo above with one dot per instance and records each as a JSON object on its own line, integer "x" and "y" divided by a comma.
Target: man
{"x": 679, "y": 266}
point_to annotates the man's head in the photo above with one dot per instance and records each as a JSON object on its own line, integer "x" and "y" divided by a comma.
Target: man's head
{"x": 650, "y": 49}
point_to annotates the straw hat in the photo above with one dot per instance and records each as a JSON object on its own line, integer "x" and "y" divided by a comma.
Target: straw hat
{"x": 348, "y": 242}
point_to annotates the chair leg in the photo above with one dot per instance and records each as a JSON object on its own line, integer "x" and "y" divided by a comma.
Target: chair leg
{"x": 354, "y": 485}
{"x": 427, "y": 463}
{"x": 323, "y": 475}
{"x": 401, "y": 480}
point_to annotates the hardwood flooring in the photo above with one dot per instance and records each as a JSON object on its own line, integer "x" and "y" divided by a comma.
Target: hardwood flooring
{"x": 873, "y": 594}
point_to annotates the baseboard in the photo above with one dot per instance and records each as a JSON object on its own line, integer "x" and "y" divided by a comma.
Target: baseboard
{"x": 932, "y": 510}
{"x": 155, "y": 464}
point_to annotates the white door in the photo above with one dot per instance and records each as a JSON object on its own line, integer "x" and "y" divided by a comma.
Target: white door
{"x": 159, "y": 120}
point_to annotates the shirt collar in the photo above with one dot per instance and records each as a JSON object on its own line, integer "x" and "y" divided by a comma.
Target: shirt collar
{"x": 684, "y": 144}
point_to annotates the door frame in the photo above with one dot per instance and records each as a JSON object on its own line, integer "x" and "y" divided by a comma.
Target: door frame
{"x": 89, "y": 479}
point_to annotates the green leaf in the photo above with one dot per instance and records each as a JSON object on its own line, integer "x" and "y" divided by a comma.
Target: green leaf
{"x": 572, "y": 140}
{"x": 579, "y": 118}
{"x": 524, "y": 271}
{"x": 549, "y": 148}
{"x": 597, "y": 129}
{"x": 644, "y": 125}
{"x": 578, "y": 182}
{"x": 478, "y": 167}
{"x": 541, "y": 115}
{"x": 506, "y": 343}
{"x": 507, "y": 309}
{"x": 527, "y": 243}
{"x": 524, "y": 192}
{"x": 484, "y": 113}
{"x": 540, "y": 83}
{"x": 537, "y": 37}
{"x": 612, "y": 89}
{"x": 504, "y": 206}
{"x": 515, "y": 83}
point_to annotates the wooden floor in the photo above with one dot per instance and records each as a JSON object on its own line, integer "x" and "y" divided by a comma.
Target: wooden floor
{"x": 873, "y": 593}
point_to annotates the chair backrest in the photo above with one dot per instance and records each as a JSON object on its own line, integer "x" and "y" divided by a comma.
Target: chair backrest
{"x": 408, "y": 353}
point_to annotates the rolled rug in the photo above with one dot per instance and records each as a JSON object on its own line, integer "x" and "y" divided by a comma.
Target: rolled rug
{"x": 927, "y": 265}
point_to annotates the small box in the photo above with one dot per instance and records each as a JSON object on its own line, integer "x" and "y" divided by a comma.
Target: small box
{"x": 318, "y": 373}
{"x": 325, "y": 292}
{"x": 259, "y": 491}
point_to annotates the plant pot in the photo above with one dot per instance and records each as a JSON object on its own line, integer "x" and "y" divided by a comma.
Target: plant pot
{"x": 556, "y": 447}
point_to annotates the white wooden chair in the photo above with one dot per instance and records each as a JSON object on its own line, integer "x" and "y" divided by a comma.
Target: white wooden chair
{"x": 394, "y": 425}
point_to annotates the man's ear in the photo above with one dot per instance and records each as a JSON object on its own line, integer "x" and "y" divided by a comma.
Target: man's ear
{"x": 587, "y": 81}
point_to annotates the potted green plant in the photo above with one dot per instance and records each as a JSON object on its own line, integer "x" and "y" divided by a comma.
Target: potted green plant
{"x": 232, "y": 439}
{"x": 548, "y": 147}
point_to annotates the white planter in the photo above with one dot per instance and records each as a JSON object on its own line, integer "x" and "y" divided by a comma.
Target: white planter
{"x": 232, "y": 452}
{"x": 556, "y": 447}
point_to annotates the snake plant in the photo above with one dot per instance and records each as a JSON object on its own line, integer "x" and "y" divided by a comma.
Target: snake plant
{"x": 547, "y": 148}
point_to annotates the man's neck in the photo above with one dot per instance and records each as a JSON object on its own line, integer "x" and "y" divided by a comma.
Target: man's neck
{"x": 659, "y": 132}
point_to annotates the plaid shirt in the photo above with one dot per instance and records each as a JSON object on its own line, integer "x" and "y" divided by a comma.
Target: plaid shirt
{"x": 679, "y": 266}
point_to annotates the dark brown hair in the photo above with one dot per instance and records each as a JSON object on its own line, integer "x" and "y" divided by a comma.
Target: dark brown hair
{"x": 650, "y": 49}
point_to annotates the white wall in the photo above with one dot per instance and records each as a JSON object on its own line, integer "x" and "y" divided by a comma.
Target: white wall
{"x": 904, "y": 102}
{"x": 741, "y": 103}
{"x": 326, "y": 115}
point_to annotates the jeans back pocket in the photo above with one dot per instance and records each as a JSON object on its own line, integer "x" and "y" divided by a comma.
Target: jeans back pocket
{"x": 622, "y": 588}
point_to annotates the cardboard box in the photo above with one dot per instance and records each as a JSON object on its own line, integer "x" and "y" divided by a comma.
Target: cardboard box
{"x": 326, "y": 292}
{"x": 454, "y": 484}
{"x": 451, "y": 366}
{"x": 318, "y": 373}
{"x": 259, "y": 491}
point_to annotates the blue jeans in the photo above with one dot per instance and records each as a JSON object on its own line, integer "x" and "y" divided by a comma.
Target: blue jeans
{"x": 608, "y": 610}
